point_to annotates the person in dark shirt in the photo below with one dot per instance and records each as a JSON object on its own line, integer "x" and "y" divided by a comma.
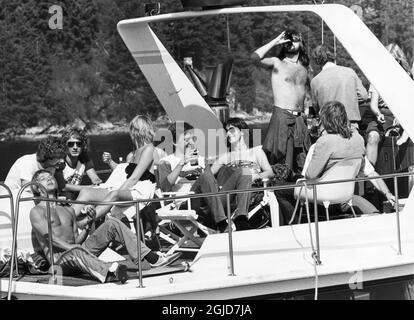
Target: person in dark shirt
{"x": 384, "y": 117}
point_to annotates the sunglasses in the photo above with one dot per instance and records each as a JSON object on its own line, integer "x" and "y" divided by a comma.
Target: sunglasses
{"x": 71, "y": 144}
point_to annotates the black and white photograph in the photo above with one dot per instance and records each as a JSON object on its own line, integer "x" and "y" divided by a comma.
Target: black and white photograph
{"x": 212, "y": 154}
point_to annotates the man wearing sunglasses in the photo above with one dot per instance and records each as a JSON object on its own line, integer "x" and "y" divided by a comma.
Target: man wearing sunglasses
{"x": 289, "y": 78}
{"x": 78, "y": 163}
{"x": 50, "y": 156}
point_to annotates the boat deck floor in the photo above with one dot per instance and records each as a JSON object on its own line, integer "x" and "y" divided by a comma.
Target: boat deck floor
{"x": 80, "y": 280}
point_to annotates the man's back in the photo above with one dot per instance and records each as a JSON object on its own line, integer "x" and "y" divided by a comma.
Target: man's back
{"x": 338, "y": 83}
{"x": 22, "y": 170}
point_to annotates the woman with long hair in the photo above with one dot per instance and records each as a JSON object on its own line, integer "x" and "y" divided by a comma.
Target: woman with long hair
{"x": 132, "y": 180}
{"x": 338, "y": 141}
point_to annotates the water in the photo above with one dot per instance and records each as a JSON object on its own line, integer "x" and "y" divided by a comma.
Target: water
{"x": 119, "y": 145}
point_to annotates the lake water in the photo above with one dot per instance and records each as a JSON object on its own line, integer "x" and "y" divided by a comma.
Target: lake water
{"x": 119, "y": 145}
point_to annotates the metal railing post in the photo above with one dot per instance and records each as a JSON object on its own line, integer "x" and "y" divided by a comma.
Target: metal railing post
{"x": 397, "y": 210}
{"x": 315, "y": 210}
{"x": 10, "y": 196}
{"x": 14, "y": 240}
{"x": 138, "y": 229}
{"x": 50, "y": 233}
{"x": 231, "y": 253}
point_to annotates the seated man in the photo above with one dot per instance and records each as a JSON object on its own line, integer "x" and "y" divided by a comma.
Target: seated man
{"x": 75, "y": 252}
{"x": 184, "y": 171}
{"x": 50, "y": 155}
{"x": 240, "y": 167}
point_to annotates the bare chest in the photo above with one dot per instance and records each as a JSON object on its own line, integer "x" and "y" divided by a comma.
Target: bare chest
{"x": 288, "y": 73}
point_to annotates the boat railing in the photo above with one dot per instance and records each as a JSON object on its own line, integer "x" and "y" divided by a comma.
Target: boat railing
{"x": 15, "y": 224}
{"x": 316, "y": 254}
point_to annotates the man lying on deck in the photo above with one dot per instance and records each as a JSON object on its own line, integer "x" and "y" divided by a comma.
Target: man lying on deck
{"x": 77, "y": 253}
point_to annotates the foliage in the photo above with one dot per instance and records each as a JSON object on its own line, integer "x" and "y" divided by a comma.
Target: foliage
{"x": 85, "y": 71}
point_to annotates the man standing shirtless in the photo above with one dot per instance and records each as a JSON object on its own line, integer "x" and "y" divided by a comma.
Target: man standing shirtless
{"x": 74, "y": 252}
{"x": 287, "y": 129}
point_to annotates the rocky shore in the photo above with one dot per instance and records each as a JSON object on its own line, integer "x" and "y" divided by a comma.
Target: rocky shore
{"x": 109, "y": 128}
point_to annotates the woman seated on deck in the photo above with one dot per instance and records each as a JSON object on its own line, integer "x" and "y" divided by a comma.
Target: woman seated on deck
{"x": 130, "y": 181}
{"x": 240, "y": 168}
{"x": 337, "y": 142}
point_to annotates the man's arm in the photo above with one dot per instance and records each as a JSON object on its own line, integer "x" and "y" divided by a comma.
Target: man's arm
{"x": 260, "y": 53}
{"x": 79, "y": 238}
{"x": 374, "y": 105}
{"x": 267, "y": 171}
{"x": 93, "y": 176}
{"x": 361, "y": 91}
{"x": 380, "y": 185}
{"x": 39, "y": 225}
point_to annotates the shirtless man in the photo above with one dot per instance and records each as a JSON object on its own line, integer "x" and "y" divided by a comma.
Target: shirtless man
{"x": 74, "y": 252}
{"x": 287, "y": 129}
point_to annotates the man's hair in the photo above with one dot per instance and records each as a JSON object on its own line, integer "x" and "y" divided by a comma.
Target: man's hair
{"x": 321, "y": 54}
{"x": 237, "y": 123}
{"x": 241, "y": 125}
{"x": 334, "y": 119}
{"x": 141, "y": 130}
{"x": 173, "y": 129}
{"x": 50, "y": 148}
{"x": 303, "y": 55}
{"x": 80, "y": 135}
{"x": 34, "y": 188}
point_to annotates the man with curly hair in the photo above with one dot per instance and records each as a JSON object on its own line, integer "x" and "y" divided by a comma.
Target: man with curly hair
{"x": 78, "y": 163}
{"x": 286, "y": 136}
{"x": 50, "y": 156}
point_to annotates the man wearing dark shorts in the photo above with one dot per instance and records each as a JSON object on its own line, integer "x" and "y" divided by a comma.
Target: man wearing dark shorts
{"x": 289, "y": 78}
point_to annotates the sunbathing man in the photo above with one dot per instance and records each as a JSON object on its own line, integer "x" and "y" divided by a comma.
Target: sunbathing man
{"x": 287, "y": 132}
{"x": 74, "y": 252}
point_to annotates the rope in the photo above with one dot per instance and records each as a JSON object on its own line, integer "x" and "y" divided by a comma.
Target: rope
{"x": 296, "y": 207}
{"x": 314, "y": 255}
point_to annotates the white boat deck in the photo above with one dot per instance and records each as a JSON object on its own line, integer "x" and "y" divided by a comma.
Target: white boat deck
{"x": 268, "y": 261}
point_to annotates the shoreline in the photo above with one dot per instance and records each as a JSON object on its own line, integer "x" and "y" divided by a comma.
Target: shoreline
{"x": 108, "y": 128}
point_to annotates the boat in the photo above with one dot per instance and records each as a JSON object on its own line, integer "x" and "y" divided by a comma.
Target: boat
{"x": 351, "y": 258}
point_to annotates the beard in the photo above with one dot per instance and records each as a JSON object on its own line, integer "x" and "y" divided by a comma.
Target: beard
{"x": 290, "y": 48}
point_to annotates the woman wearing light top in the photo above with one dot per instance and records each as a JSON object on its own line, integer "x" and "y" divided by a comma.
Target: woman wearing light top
{"x": 240, "y": 167}
{"x": 337, "y": 142}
